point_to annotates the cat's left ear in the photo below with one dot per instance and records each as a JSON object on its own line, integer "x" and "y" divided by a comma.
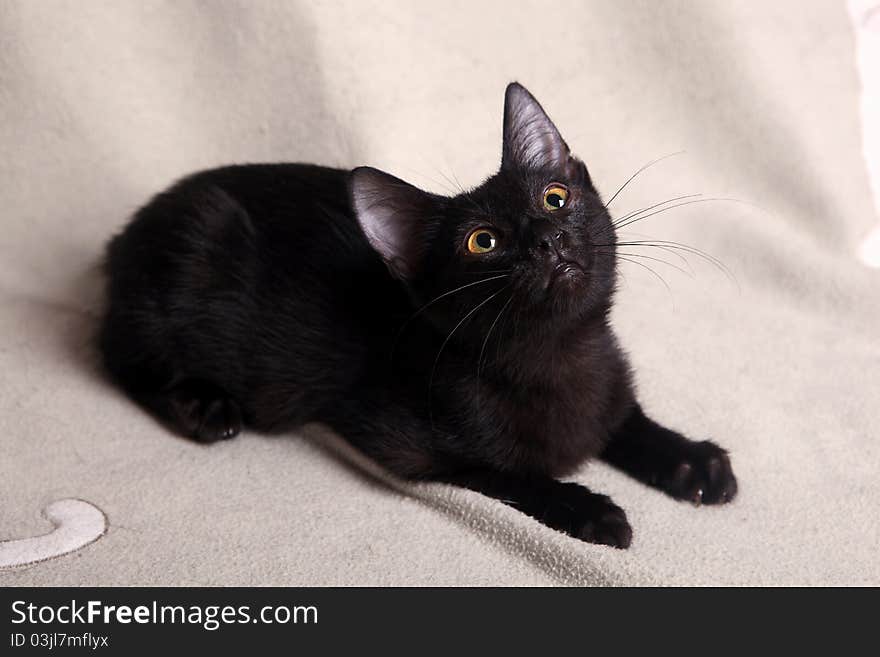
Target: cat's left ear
{"x": 394, "y": 216}
{"x": 531, "y": 141}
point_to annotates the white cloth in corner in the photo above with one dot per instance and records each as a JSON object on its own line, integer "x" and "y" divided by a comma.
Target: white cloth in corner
{"x": 865, "y": 15}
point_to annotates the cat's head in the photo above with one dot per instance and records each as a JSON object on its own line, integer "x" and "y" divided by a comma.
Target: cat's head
{"x": 536, "y": 235}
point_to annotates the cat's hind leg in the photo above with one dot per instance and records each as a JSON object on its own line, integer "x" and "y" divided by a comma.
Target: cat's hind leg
{"x": 196, "y": 409}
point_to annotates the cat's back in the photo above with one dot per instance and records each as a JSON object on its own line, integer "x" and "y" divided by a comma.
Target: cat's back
{"x": 256, "y": 277}
{"x": 276, "y": 193}
{"x": 235, "y": 226}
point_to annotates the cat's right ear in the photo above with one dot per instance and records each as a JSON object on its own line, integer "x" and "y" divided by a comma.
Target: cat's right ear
{"x": 530, "y": 138}
{"x": 393, "y": 215}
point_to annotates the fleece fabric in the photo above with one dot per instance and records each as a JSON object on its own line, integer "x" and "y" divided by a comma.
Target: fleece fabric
{"x": 105, "y": 103}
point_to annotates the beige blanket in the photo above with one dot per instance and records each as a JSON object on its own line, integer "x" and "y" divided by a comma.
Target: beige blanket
{"x": 104, "y": 103}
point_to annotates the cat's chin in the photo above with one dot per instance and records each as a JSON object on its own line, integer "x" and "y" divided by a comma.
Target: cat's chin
{"x": 566, "y": 277}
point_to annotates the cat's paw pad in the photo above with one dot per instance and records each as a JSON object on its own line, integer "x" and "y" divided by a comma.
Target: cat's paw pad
{"x": 221, "y": 420}
{"x": 704, "y": 476}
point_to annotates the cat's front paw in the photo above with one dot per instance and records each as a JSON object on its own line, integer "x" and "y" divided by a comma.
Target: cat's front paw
{"x": 595, "y": 518}
{"x": 702, "y": 476}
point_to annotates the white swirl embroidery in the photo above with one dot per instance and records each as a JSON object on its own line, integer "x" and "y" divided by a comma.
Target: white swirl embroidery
{"x": 77, "y": 524}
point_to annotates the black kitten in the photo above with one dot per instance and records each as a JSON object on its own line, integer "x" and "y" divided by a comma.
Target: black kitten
{"x": 460, "y": 339}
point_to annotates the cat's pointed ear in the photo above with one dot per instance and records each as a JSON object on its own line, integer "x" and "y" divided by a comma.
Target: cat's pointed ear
{"x": 394, "y": 216}
{"x": 531, "y": 141}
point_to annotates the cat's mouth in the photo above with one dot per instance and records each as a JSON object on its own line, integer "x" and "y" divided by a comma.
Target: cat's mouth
{"x": 566, "y": 271}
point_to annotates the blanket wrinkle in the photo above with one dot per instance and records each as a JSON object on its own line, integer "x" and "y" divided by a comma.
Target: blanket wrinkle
{"x": 104, "y": 104}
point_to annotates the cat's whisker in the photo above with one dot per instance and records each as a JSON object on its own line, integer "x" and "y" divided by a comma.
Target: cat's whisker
{"x": 458, "y": 188}
{"x": 443, "y": 346}
{"x": 486, "y": 341}
{"x": 667, "y": 245}
{"x": 672, "y": 247}
{"x": 684, "y": 261}
{"x": 665, "y": 262}
{"x": 458, "y": 182}
{"x": 616, "y": 224}
{"x": 446, "y": 186}
{"x": 435, "y": 300}
{"x": 620, "y": 222}
{"x": 458, "y": 289}
{"x": 708, "y": 257}
{"x": 672, "y": 207}
{"x": 467, "y": 194}
{"x": 656, "y": 275}
{"x": 461, "y": 191}
{"x": 501, "y": 328}
{"x": 632, "y": 177}
{"x": 644, "y": 266}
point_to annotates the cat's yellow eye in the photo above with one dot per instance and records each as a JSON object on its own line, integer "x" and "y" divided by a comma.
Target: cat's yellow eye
{"x": 555, "y": 197}
{"x": 482, "y": 240}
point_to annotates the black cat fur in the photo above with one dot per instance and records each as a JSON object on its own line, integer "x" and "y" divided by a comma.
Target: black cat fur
{"x": 271, "y": 295}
